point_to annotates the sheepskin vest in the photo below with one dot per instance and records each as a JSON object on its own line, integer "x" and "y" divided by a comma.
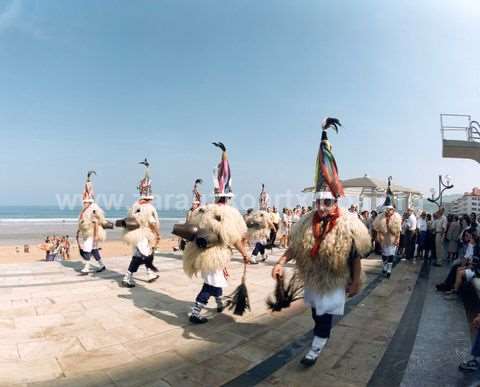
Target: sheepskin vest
{"x": 387, "y": 233}
{"x": 228, "y": 224}
{"x": 329, "y": 268}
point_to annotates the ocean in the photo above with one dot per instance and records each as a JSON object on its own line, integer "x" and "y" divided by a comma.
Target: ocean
{"x": 31, "y": 224}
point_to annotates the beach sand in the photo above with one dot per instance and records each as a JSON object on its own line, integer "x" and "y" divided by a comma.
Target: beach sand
{"x": 9, "y": 254}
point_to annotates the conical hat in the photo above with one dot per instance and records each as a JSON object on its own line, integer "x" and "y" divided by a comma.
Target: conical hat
{"x": 327, "y": 183}
{"x": 145, "y": 185}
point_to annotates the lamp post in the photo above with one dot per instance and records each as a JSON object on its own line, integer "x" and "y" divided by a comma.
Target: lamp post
{"x": 444, "y": 183}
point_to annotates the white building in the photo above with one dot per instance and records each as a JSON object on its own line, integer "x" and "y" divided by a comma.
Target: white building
{"x": 468, "y": 203}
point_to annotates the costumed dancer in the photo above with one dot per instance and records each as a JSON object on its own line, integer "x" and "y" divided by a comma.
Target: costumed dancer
{"x": 388, "y": 226}
{"x": 264, "y": 199}
{"x": 91, "y": 229}
{"x": 142, "y": 233}
{"x": 259, "y": 224}
{"x": 326, "y": 245}
{"x": 212, "y": 231}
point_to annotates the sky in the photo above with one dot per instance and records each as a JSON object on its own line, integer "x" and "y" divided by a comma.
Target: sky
{"x": 101, "y": 85}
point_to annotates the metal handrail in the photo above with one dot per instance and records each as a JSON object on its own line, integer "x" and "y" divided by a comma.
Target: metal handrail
{"x": 471, "y": 129}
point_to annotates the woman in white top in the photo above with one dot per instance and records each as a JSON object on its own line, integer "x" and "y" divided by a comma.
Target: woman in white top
{"x": 283, "y": 230}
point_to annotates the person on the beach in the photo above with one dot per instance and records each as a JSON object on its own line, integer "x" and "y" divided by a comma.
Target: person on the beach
{"x": 91, "y": 229}
{"x": 142, "y": 231}
{"x": 326, "y": 245}
{"x": 388, "y": 226}
{"x": 67, "y": 247}
{"x": 220, "y": 228}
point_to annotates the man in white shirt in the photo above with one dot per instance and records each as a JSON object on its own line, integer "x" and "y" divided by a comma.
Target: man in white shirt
{"x": 440, "y": 230}
{"x": 275, "y": 217}
{"x": 410, "y": 229}
{"x": 422, "y": 229}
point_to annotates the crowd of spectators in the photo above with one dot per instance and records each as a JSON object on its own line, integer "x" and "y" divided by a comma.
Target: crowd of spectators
{"x": 57, "y": 248}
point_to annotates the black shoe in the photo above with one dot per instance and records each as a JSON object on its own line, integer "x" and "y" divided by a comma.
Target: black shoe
{"x": 198, "y": 319}
{"x": 127, "y": 285}
{"x": 469, "y": 366}
{"x": 307, "y": 362}
{"x": 100, "y": 270}
{"x": 153, "y": 279}
{"x": 441, "y": 287}
{"x": 220, "y": 309}
{"x": 388, "y": 275}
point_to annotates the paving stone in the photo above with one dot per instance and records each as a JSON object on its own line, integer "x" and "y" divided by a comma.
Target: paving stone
{"x": 96, "y": 379}
{"x": 49, "y": 348}
{"x": 28, "y": 371}
{"x": 44, "y": 321}
{"x": 194, "y": 376}
{"x": 100, "y": 359}
{"x": 146, "y": 371}
{"x": 8, "y": 352}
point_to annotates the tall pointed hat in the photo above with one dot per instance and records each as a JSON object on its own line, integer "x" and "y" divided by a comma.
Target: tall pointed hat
{"x": 389, "y": 198}
{"x": 197, "y": 196}
{"x": 264, "y": 199}
{"x": 145, "y": 185}
{"x": 327, "y": 182}
{"x": 88, "y": 192}
{"x": 222, "y": 177}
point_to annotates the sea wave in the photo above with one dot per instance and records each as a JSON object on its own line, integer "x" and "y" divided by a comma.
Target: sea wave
{"x": 65, "y": 220}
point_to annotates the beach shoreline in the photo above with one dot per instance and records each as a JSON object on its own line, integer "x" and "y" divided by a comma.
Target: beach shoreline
{"x": 14, "y": 253}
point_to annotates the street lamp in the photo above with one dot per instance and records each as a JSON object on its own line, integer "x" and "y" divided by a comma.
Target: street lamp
{"x": 444, "y": 183}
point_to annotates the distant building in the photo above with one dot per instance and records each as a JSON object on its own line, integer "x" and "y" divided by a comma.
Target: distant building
{"x": 468, "y": 203}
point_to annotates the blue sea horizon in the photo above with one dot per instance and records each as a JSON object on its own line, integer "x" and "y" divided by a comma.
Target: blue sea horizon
{"x": 37, "y": 213}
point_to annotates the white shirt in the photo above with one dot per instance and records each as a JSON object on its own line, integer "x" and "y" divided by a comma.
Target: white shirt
{"x": 441, "y": 224}
{"x": 411, "y": 223}
{"x": 422, "y": 224}
{"x": 295, "y": 218}
{"x": 275, "y": 217}
{"x": 469, "y": 251}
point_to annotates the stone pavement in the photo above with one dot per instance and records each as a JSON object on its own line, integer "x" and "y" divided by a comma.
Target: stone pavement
{"x": 358, "y": 341}
{"x": 61, "y": 329}
{"x": 442, "y": 342}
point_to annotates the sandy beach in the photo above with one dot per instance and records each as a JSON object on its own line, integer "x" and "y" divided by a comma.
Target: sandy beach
{"x": 116, "y": 248}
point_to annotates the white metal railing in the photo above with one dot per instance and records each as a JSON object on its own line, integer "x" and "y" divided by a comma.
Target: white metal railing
{"x": 459, "y": 127}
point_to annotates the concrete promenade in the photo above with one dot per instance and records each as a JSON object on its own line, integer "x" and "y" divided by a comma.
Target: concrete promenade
{"x": 61, "y": 329}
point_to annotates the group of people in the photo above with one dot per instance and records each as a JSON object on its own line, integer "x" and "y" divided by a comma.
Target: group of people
{"x": 57, "y": 248}
{"x": 142, "y": 231}
{"x": 462, "y": 241}
{"x": 428, "y": 236}
{"x": 324, "y": 243}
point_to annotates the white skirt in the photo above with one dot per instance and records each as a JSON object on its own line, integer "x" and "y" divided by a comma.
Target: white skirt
{"x": 389, "y": 250}
{"x": 215, "y": 278}
{"x": 332, "y": 302}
